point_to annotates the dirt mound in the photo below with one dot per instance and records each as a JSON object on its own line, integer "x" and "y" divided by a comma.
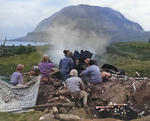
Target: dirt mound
{"x": 118, "y": 91}
{"x": 121, "y": 91}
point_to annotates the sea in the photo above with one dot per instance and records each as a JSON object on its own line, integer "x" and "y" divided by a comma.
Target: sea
{"x": 17, "y": 43}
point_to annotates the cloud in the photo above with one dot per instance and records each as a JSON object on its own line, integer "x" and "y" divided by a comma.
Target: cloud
{"x": 24, "y": 16}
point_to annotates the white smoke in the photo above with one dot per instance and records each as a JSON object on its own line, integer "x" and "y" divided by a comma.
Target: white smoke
{"x": 67, "y": 38}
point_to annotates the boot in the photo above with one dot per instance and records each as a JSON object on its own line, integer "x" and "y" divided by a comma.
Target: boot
{"x": 85, "y": 100}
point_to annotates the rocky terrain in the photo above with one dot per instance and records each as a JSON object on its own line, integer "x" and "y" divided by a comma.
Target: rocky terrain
{"x": 92, "y": 28}
{"x": 120, "y": 91}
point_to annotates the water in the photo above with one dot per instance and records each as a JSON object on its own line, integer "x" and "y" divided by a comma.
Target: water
{"x": 17, "y": 43}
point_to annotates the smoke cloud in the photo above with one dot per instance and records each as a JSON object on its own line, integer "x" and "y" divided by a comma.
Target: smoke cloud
{"x": 67, "y": 38}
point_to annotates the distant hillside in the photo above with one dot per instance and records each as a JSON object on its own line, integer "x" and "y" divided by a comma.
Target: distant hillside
{"x": 102, "y": 21}
{"x": 84, "y": 27}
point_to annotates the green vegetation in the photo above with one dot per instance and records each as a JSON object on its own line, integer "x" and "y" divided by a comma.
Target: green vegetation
{"x": 131, "y": 56}
{"x": 30, "y": 116}
{"x": 16, "y": 50}
{"x": 8, "y": 63}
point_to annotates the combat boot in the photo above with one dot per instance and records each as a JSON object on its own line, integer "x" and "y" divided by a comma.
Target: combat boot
{"x": 85, "y": 100}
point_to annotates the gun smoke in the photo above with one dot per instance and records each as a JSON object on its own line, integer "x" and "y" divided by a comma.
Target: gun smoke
{"x": 65, "y": 38}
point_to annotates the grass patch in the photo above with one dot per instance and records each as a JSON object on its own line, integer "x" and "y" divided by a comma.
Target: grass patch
{"x": 29, "y": 116}
{"x": 134, "y": 50}
{"x": 8, "y": 64}
{"x": 132, "y": 56}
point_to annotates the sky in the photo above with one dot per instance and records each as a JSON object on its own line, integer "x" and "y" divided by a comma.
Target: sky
{"x": 19, "y": 17}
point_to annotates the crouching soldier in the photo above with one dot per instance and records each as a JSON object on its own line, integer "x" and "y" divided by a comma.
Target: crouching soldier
{"x": 35, "y": 71}
{"x": 75, "y": 85}
{"x": 17, "y": 77}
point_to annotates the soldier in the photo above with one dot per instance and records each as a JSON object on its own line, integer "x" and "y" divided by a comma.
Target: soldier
{"x": 65, "y": 66}
{"x": 75, "y": 85}
{"x": 17, "y": 77}
{"x": 35, "y": 71}
{"x": 45, "y": 68}
{"x": 91, "y": 74}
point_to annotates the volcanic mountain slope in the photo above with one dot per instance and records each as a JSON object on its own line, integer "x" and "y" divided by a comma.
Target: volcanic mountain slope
{"x": 85, "y": 23}
{"x": 85, "y": 27}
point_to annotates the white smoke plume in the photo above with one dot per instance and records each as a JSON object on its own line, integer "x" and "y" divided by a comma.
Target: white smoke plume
{"x": 67, "y": 38}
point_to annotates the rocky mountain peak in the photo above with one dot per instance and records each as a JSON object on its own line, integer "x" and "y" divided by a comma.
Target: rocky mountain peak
{"x": 85, "y": 27}
{"x": 87, "y": 18}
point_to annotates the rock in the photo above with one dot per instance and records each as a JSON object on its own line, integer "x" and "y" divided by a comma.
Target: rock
{"x": 63, "y": 110}
{"x": 68, "y": 108}
{"x": 68, "y": 117}
{"x": 57, "y": 84}
{"x": 85, "y": 113}
{"x": 55, "y": 110}
{"x": 47, "y": 117}
{"x": 47, "y": 110}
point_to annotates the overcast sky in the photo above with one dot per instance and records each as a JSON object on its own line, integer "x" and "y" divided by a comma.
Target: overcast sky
{"x": 18, "y": 17}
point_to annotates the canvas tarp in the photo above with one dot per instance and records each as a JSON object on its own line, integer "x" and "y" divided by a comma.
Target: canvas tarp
{"x": 14, "y": 98}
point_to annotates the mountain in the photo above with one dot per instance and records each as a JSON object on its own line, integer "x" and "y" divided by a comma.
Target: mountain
{"x": 102, "y": 21}
{"x": 84, "y": 27}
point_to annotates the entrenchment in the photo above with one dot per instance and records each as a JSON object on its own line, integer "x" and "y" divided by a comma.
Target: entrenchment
{"x": 119, "y": 90}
